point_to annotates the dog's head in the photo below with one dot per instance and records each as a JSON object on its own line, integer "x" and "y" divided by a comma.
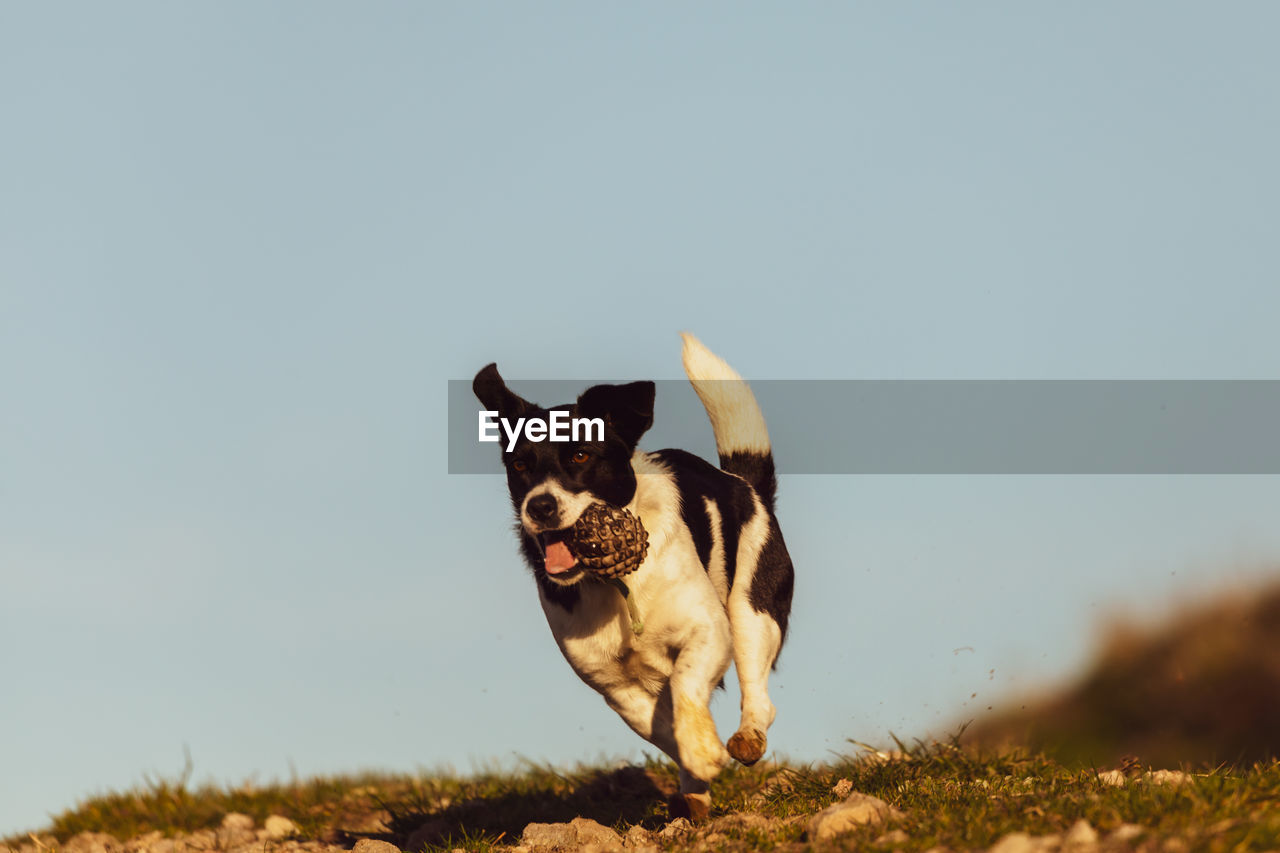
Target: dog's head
{"x": 552, "y": 482}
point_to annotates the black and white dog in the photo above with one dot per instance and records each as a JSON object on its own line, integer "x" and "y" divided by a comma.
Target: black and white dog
{"x": 716, "y": 582}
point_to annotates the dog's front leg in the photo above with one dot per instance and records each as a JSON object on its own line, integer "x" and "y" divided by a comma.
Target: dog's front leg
{"x": 699, "y": 666}
{"x": 648, "y": 715}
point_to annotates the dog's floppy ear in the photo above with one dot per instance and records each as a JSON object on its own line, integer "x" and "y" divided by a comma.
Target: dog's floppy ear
{"x": 496, "y": 396}
{"x": 627, "y": 409}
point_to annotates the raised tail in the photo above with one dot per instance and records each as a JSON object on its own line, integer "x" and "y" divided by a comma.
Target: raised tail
{"x": 742, "y": 439}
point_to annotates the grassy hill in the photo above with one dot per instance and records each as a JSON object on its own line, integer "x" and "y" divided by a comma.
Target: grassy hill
{"x": 1069, "y": 774}
{"x": 945, "y": 796}
{"x": 1201, "y": 689}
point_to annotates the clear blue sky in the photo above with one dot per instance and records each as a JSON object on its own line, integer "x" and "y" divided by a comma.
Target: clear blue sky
{"x": 243, "y": 246}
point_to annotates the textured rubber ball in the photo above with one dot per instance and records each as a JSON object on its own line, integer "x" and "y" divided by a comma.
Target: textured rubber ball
{"x": 608, "y": 542}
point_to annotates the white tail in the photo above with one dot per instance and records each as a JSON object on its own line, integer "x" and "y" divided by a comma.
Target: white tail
{"x": 735, "y": 416}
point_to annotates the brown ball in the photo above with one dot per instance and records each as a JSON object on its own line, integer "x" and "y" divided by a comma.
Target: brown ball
{"x": 607, "y": 541}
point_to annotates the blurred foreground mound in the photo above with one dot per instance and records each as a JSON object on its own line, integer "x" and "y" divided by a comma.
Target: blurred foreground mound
{"x": 1204, "y": 688}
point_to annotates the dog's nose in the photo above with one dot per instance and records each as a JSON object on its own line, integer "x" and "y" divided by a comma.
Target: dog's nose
{"x": 543, "y": 509}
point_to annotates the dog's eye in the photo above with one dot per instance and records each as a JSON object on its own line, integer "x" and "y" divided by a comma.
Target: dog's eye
{"x": 520, "y": 465}
{"x": 580, "y": 457}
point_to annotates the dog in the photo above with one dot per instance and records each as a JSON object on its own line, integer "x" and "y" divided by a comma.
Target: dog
{"x": 715, "y": 583}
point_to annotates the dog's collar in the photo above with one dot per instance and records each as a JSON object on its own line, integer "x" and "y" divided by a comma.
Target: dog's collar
{"x": 637, "y": 624}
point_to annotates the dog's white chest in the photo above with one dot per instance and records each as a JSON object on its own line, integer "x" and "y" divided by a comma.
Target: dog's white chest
{"x": 598, "y": 641}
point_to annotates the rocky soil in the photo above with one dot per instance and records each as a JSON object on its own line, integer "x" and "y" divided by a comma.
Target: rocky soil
{"x": 830, "y": 828}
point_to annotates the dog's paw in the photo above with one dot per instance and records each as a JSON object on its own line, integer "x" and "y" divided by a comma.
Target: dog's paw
{"x": 695, "y": 807}
{"x": 748, "y": 745}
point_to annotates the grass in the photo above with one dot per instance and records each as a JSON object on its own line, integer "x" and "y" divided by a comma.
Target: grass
{"x": 951, "y": 797}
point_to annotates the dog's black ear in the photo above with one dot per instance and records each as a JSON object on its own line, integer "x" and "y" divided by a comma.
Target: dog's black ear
{"x": 496, "y": 396}
{"x": 627, "y": 409}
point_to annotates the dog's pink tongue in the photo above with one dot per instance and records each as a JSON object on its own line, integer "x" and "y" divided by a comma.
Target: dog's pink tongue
{"x": 558, "y": 558}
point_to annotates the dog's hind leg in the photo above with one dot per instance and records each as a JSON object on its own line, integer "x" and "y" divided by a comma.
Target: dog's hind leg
{"x": 759, "y": 605}
{"x": 756, "y": 638}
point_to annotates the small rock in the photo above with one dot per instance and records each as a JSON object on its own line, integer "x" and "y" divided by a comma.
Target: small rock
{"x": 591, "y": 832}
{"x": 548, "y": 835}
{"x": 372, "y": 845}
{"x": 1014, "y": 842}
{"x": 857, "y": 810}
{"x": 1166, "y": 777}
{"x": 637, "y": 835}
{"x": 843, "y": 788}
{"x": 1080, "y": 835}
{"x": 92, "y": 842}
{"x": 205, "y": 839}
{"x": 1126, "y": 832}
{"x": 783, "y": 780}
{"x": 143, "y": 842}
{"x": 893, "y": 836}
{"x": 577, "y": 833}
{"x": 279, "y": 826}
{"x": 236, "y": 829}
{"x": 678, "y": 828}
{"x": 1114, "y": 778}
{"x": 237, "y": 822}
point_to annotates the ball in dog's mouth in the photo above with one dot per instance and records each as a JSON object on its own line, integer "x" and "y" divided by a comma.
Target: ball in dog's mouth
{"x": 606, "y": 541}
